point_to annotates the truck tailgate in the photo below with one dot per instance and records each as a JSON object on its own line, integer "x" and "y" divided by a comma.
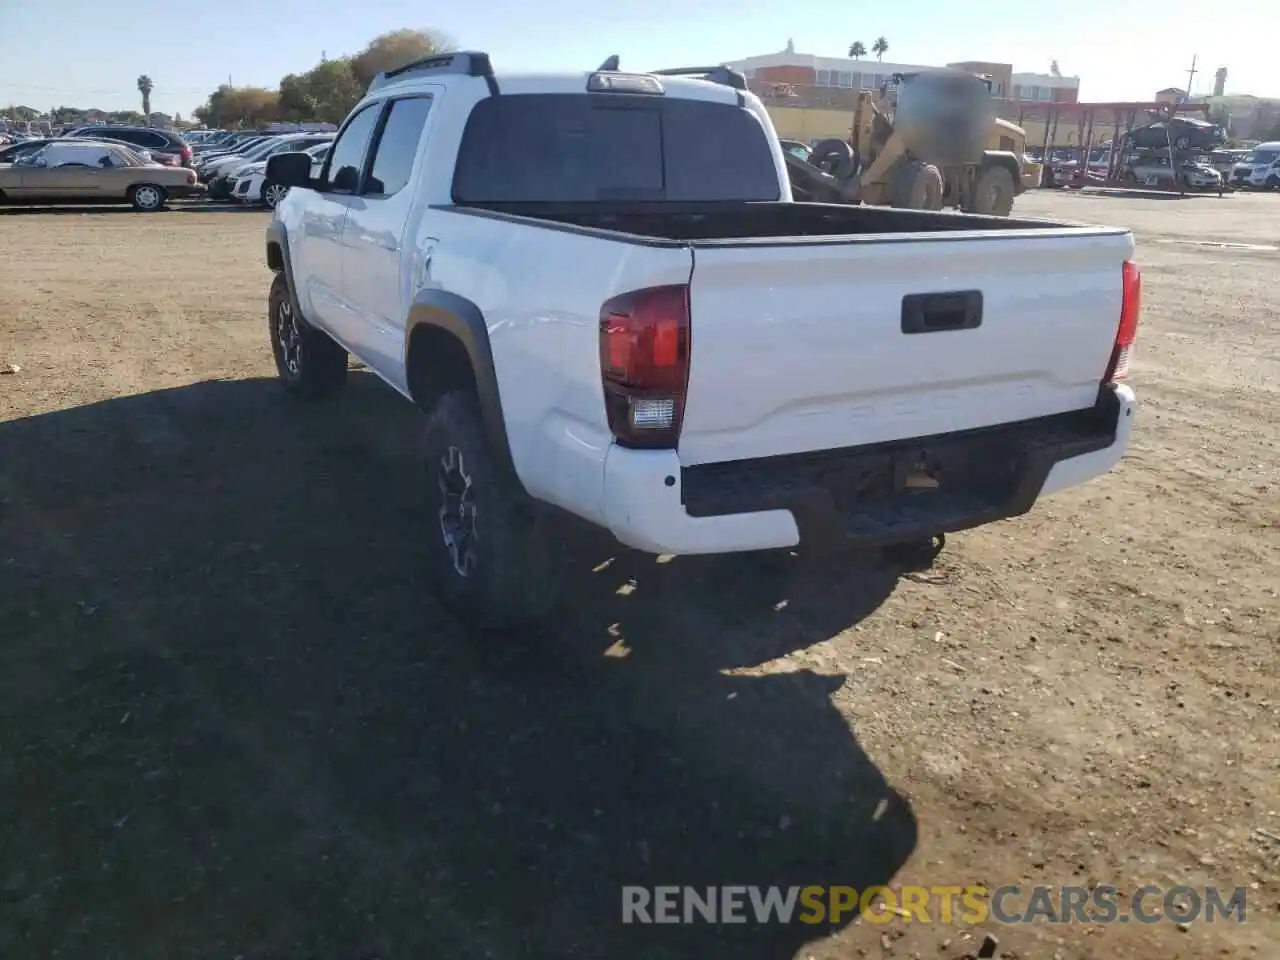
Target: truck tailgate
{"x": 800, "y": 346}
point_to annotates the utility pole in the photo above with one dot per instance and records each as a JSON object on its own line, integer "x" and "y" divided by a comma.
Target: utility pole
{"x": 1191, "y": 75}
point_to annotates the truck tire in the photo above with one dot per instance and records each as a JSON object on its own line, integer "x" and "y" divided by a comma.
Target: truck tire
{"x": 311, "y": 365}
{"x": 491, "y": 560}
{"x": 993, "y": 192}
{"x": 917, "y": 186}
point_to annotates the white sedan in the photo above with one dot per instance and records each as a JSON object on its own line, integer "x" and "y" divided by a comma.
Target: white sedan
{"x": 252, "y": 187}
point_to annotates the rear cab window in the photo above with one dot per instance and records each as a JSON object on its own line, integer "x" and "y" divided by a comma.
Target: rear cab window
{"x": 572, "y": 148}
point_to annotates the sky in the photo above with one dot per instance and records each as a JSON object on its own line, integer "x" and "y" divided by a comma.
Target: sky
{"x": 77, "y": 53}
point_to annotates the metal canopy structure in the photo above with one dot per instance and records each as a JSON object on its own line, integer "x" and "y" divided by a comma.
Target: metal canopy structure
{"x": 1122, "y": 117}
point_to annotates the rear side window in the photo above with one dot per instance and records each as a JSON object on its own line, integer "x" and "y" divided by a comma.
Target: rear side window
{"x": 567, "y": 148}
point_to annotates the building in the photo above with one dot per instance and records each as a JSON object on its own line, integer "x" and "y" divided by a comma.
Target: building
{"x": 811, "y": 97}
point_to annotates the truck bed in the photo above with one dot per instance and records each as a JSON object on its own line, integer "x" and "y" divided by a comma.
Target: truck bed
{"x": 731, "y": 223}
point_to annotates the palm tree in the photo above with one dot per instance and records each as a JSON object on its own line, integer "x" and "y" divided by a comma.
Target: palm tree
{"x": 880, "y": 48}
{"x": 857, "y": 50}
{"x": 145, "y": 86}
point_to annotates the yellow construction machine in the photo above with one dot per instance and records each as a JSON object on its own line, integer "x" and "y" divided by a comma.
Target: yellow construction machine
{"x": 924, "y": 141}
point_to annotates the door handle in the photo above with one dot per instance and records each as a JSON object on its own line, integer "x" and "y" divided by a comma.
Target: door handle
{"x": 936, "y": 312}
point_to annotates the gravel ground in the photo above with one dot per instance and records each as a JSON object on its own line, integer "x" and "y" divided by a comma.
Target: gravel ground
{"x": 233, "y": 722}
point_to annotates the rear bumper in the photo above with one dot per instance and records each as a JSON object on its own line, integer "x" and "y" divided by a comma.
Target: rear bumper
{"x": 858, "y": 497}
{"x": 182, "y": 192}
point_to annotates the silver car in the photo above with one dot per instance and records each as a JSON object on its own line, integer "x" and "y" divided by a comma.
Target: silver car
{"x": 1158, "y": 171}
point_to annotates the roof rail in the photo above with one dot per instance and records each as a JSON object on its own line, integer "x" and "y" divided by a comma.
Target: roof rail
{"x": 468, "y": 63}
{"x": 723, "y": 75}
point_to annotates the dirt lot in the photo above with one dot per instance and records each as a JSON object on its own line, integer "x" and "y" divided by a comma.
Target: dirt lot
{"x": 233, "y": 722}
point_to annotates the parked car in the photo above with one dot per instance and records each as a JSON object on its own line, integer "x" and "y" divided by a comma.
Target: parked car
{"x": 1260, "y": 167}
{"x": 12, "y": 153}
{"x": 1158, "y": 170}
{"x": 218, "y": 175}
{"x": 580, "y": 328}
{"x": 1182, "y": 133}
{"x": 1225, "y": 160}
{"x": 205, "y": 160}
{"x": 165, "y": 146}
{"x": 233, "y": 143}
{"x": 81, "y": 171}
{"x": 251, "y": 186}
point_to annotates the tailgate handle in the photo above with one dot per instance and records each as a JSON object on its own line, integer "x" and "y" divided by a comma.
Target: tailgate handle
{"x": 935, "y": 312}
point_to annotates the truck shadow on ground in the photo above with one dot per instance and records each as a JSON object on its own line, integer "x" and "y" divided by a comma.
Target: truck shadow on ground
{"x": 234, "y": 722}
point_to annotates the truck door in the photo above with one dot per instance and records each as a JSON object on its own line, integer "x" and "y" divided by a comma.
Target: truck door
{"x": 317, "y": 260}
{"x": 382, "y": 265}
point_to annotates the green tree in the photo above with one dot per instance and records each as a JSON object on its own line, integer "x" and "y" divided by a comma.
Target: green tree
{"x": 145, "y": 86}
{"x": 391, "y": 50}
{"x": 333, "y": 88}
{"x": 880, "y": 48}
{"x": 857, "y": 50}
{"x": 238, "y": 107}
{"x": 296, "y": 101}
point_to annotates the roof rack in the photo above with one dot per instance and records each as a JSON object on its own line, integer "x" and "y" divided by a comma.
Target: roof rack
{"x": 468, "y": 63}
{"x": 723, "y": 75}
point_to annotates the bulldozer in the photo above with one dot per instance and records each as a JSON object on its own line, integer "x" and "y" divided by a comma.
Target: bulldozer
{"x": 924, "y": 141}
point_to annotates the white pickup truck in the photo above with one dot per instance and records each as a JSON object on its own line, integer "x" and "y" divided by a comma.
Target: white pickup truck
{"x": 598, "y": 290}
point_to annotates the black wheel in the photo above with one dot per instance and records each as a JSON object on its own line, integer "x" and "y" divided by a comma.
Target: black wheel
{"x": 489, "y": 553}
{"x": 147, "y": 197}
{"x": 917, "y": 186}
{"x": 993, "y": 192}
{"x": 834, "y": 157}
{"x": 310, "y": 364}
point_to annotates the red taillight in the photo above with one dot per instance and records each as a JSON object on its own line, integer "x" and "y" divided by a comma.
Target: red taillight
{"x": 1127, "y": 332}
{"x": 644, "y": 364}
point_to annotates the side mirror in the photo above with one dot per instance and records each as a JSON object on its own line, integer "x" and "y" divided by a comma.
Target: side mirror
{"x": 346, "y": 180}
{"x": 291, "y": 169}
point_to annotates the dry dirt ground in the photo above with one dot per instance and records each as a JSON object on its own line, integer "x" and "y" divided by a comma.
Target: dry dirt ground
{"x": 234, "y": 723}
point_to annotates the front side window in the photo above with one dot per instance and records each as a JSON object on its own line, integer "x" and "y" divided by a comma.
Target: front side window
{"x": 398, "y": 146}
{"x": 346, "y": 158}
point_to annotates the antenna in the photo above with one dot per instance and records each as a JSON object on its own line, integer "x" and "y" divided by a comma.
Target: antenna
{"x": 610, "y": 63}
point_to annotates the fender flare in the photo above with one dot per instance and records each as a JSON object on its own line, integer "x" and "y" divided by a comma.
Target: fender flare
{"x": 460, "y": 317}
{"x": 278, "y": 238}
{"x": 1006, "y": 159}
